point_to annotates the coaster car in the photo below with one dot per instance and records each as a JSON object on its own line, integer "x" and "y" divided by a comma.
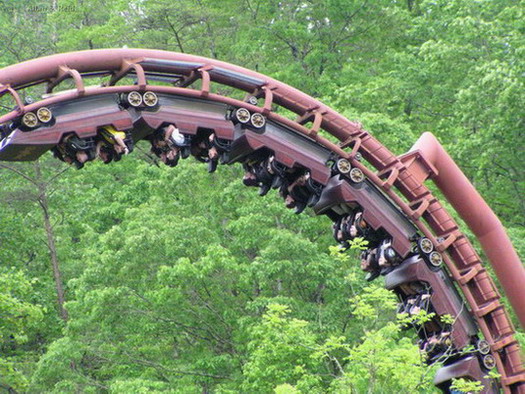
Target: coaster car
{"x": 32, "y": 134}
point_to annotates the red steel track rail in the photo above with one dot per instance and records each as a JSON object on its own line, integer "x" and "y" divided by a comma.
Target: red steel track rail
{"x": 400, "y": 178}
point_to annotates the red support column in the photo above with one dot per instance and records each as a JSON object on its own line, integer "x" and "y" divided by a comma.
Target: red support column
{"x": 480, "y": 218}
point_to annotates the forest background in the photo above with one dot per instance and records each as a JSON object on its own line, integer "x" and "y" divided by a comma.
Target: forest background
{"x": 173, "y": 280}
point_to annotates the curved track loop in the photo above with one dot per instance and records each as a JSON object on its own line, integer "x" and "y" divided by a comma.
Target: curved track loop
{"x": 394, "y": 176}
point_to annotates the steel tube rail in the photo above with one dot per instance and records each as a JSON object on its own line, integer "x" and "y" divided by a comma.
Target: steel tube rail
{"x": 480, "y": 218}
{"x": 44, "y": 69}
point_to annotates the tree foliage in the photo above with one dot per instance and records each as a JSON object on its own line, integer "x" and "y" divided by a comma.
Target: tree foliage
{"x": 180, "y": 281}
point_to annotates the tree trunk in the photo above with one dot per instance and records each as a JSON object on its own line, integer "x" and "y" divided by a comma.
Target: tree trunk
{"x": 55, "y": 265}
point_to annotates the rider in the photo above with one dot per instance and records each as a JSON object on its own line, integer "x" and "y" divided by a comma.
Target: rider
{"x": 74, "y": 150}
{"x": 112, "y": 144}
{"x": 166, "y": 144}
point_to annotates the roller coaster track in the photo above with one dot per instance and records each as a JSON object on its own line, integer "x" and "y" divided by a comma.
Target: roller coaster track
{"x": 365, "y": 189}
